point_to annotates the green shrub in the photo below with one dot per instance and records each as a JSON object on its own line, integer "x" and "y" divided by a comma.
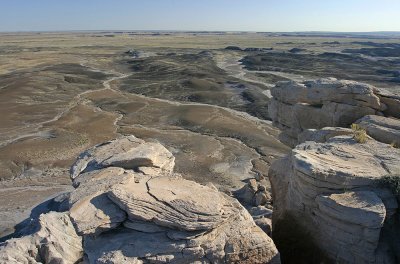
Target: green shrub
{"x": 392, "y": 182}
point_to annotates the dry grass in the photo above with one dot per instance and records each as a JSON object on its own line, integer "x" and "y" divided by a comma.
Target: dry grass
{"x": 360, "y": 135}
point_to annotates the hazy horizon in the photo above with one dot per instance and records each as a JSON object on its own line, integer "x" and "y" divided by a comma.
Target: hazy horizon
{"x": 206, "y": 15}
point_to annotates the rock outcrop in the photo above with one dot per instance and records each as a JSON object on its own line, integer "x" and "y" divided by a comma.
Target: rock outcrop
{"x": 53, "y": 241}
{"x": 331, "y": 184}
{"x": 383, "y": 129}
{"x": 128, "y": 153}
{"x": 129, "y": 206}
{"x": 333, "y": 190}
{"x": 296, "y": 107}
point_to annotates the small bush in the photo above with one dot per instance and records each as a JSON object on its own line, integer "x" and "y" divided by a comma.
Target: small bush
{"x": 359, "y": 134}
{"x": 392, "y": 182}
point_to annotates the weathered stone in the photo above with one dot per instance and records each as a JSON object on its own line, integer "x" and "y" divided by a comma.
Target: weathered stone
{"x": 144, "y": 226}
{"x": 354, "y": 219}
{"x": 260, "y": 199}
{"x": 247, "y": 193}
{"x": 260, "y": 212}
{"x": 96, "y": 213}
{"x": 296, "y": 107}
{"x": 126, "y": 152}
{"x": 383, "y": 129}
{"x": 315, "y": 175}
{"x": 171, "y": 202}
{"x": 322, "y": 135}
{"x": 318, "y": 92}
{"x": 391, "y": 101}
{"x": 265, "y": 224}
{"x": 151, "y": 216}
{"x": 97, "y": 181}
{"x": 54, "y": 241}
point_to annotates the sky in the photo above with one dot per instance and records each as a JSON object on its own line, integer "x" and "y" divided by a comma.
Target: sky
{"x": 201, "y": 15}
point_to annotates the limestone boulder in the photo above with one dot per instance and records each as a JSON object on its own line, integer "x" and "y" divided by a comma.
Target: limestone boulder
{"x": 171, "y": 202}
{"x": 127, "y": 152}
{"x": 53, "y": 240}
{"x": 383, "y": 129}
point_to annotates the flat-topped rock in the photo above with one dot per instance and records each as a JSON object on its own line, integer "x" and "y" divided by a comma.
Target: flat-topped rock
{"x": 353, "y": 219}
{"x": 345, "y": 162}
{"x": 127, "y": 152}
{"x": 362, "y": 208}
{"x": 383, "y": 129}
{"x": 171, "y": 202}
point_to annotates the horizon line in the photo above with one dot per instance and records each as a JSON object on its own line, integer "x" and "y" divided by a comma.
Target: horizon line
{"x": 199, "y": 31}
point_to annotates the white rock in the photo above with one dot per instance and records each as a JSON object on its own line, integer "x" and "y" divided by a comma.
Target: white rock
{"x": 383, "y": 129}
{"x": 55, "y": 241}
{"x": 309, "y": 184}
{"x": 126, "y": 152}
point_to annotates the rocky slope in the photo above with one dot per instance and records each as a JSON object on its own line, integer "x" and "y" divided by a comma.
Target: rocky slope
{"x": 332, "y": 185}
{"x": 129, "y": 206}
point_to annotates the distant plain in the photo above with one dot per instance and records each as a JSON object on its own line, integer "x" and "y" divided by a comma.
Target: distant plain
{"x": 61, "y": 93}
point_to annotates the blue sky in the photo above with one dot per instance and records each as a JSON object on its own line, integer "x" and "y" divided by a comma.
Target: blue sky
{"x": 234, "y": 15}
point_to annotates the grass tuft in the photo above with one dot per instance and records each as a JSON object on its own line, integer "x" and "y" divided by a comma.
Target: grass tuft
{"x": 359, "y": 134}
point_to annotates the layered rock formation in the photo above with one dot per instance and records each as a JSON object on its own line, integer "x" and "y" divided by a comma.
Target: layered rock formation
{"x": 129, "y": 207}
{"x": 331, "y": 184}
{"x": 383, "y": 129}
{"x": 333, "y": 190}
{"x": 316, "y": 104}
{"x": 54, "y": 240}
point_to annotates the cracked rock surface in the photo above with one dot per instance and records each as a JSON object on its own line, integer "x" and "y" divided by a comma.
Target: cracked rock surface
{"x": 127, "y": 214}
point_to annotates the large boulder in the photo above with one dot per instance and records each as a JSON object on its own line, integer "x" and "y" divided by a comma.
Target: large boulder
{"x": 315, "y": 104}
{"x": 333, "y": 190}
{"x": 172, "y": 220}
{"x": 53, "y": 240}
{"x": 127, "y": 152}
